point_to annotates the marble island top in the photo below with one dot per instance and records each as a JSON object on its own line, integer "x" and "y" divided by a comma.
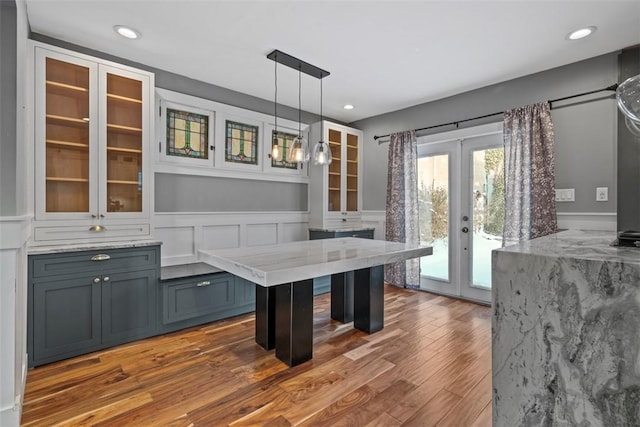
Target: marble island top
{"x": 578, "y": 244}
{"x": 289, "y": 262}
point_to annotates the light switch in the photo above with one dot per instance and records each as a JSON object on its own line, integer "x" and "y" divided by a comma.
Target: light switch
{"x": 602, "y": 194}
{"x": 566, "y": 195}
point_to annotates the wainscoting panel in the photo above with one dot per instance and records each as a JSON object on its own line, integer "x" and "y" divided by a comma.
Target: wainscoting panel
{"x": 220, "y": 236}
{"x": 183, "y": 234}
{"x": 262, "y": 234}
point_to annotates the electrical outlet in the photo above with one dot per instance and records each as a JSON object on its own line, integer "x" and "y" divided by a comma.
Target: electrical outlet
{"x": 602, "y": 194}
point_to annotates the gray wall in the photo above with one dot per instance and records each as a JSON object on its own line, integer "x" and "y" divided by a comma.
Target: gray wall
{"x": 8, "y": 106}
{"x": 189, "y": 193}
{"x": 211, "y": 194}
{"x": 585, "y": 138}
{"x": 628, "y": 155}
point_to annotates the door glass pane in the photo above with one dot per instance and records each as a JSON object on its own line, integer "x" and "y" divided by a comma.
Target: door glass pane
{"x": 352, "y": 172}
{"x": 488, "y": 211}
{"x": 335, "y": 174}
{"x": 124, "y": 144}
{"x": 67, "y": 137}
{"x": 433, "y": 202}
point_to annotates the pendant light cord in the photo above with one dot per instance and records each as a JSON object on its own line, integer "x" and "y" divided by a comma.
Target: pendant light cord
{"x": 300, "y": 103}
{"x": 275, "y": 100}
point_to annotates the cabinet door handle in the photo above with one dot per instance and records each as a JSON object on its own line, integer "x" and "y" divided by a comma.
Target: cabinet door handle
{"x": 96, "y": 280}
{"x": 97, "y": 228}
{"x": 203, "y": 283}
{"x": 100, "y": 257}
{"x": 105, "y": 279}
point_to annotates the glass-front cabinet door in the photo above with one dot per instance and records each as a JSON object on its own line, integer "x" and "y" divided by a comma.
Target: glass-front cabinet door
{"x": 122, "y": 189}
{"x": 334, "y": 188}
{"x": 66, "y": 158}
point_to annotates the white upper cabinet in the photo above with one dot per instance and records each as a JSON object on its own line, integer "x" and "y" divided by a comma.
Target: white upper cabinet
{"x": 335, "y": 196}
{"x": 92, "y": 142}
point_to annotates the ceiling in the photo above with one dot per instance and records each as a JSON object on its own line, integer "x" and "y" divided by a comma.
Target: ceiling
{"x": 382, "y": 55}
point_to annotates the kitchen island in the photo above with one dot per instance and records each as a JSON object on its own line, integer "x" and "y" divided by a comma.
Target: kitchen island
{"x": 283, "y": 276}
{"x": 566, "y": 332}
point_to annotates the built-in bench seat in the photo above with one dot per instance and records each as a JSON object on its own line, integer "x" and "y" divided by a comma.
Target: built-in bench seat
{"x": 197, "y": 293}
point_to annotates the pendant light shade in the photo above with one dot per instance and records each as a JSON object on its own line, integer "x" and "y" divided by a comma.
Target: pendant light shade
{"x": 628, "y": 96}
{"x": 321, "y": 151}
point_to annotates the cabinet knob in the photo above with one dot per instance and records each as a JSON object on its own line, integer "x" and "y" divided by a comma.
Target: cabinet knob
{"x": 96, "y": 280}
{"x": 105, "y": 279}
{"x": 98, "y": 228}
{"x": 100, "y": 257}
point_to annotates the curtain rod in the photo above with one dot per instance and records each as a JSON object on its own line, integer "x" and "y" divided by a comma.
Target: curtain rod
{"x": 613, "y": 87}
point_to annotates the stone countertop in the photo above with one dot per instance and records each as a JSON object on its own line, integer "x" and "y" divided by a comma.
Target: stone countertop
{"x": 566, "y": 331}
{"x": 90, "y": 246}
{"x": 578, "y": 244}
{"x": 271, "y": 265}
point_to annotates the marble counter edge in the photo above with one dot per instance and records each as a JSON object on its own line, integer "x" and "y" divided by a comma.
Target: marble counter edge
{"x": 44, "y": 250}
{"x": 293, "y": 274}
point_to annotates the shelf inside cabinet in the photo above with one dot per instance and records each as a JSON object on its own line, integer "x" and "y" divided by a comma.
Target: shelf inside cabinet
{"x": 113, "y": 181}
{"x": 68, "y": 144}
{"x": 120, "y": 98}
{"x": 125, "y": 150}
{"x": 73, "y": 121}
{"x": 63, "y": 88}
{"x": 124, "y": 129}
{"x": 64, "y": 179}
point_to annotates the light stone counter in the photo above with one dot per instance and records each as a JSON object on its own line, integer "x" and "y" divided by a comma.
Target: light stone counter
{"x": 90, "y": 246}
{"x": 566, "y": 332}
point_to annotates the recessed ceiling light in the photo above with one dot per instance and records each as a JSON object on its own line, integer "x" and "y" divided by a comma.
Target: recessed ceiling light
{"x": 127, "y": 32}
{"x": 581, "y": 33}
{"x": 348, "y": 107}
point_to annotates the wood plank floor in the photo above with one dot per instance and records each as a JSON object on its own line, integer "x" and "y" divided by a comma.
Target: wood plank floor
{"x": 430, "y": 365}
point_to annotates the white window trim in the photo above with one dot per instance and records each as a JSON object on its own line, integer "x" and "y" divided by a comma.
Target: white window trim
{"x": 221, "y": 112}
{"x": 161, "y": 130}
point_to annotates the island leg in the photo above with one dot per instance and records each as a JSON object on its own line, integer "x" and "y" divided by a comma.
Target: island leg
{"x": 266, "y": 316}
{"x": 342, "y": 297}
{"x": 294, "y": 322}
{"x": 368, "y": 295}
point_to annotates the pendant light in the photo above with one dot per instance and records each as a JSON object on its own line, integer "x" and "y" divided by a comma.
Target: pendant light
{"x": 321, "y": 151}
{"x": 298, "y": 151}
{"x": 628, "y": 97}
{"x": 276, "y": 150}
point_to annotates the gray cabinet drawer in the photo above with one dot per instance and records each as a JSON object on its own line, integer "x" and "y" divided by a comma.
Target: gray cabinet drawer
{"x": 197, "y": 296}
{"x": 75, "y": 263}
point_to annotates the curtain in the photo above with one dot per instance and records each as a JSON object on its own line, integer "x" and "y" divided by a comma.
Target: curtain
{"x": 402, "y": 206}
{"x": 530, "y": 207}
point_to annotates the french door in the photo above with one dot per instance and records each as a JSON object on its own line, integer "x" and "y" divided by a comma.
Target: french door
{"x": 461, "y": 199}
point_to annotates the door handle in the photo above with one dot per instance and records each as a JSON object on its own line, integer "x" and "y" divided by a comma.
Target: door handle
{"x": 465, "y": 229}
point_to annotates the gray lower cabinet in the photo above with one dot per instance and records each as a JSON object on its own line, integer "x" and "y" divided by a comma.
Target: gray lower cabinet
{"x": 88, "y": 300}
{"x": 200, "y": 299}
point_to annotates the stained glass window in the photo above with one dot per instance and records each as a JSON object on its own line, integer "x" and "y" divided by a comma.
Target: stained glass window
{"x": 242, "y": 143}
{"x": 187, "y": 134}
{"x": 284, "y": 141}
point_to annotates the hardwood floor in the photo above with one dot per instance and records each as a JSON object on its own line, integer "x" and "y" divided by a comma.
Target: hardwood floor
{"x": 430, "y": 365}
